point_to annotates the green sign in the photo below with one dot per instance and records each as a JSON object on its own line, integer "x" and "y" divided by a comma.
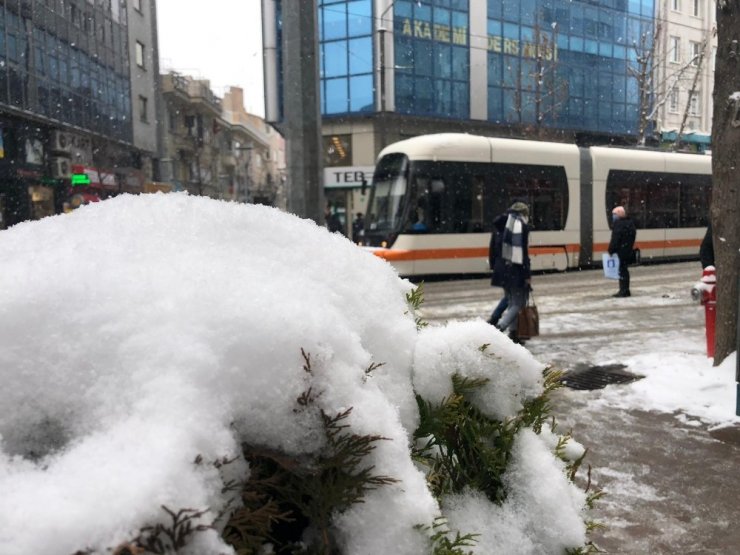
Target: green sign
{"x": 80, "y": 179}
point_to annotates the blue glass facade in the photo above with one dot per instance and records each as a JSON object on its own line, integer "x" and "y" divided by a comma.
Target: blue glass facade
{"x": 68, "y": 62}
{"x": 569, "y": 66}
{"x": 346, "y": 50}
{"x": 432, "y": 58}
{"x": 552, "y": 63}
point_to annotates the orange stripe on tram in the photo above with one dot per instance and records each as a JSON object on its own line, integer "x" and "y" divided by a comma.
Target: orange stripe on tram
{"x": 452, "y": 253}
{"x": 645, "y": 245}
{"x": 482, "y": 252}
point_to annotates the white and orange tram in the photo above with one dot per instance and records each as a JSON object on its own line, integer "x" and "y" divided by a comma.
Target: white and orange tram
{"x": 434, "y": 198}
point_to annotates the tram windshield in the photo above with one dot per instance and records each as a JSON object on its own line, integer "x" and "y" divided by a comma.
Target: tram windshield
{"x": 385, "y": 211}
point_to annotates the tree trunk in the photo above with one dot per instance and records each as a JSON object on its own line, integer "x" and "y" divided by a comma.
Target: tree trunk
{"x": 725, "y": 210}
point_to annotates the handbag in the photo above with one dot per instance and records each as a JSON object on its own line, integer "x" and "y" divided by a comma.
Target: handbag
{"x": 528, "y": 321}
{"x": 611, "y": 265}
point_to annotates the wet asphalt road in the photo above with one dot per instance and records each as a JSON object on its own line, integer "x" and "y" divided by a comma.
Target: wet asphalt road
{"x": 671, "y": 488}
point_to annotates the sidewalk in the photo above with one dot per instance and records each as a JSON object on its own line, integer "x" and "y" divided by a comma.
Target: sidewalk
{"x": 671, "y": 487}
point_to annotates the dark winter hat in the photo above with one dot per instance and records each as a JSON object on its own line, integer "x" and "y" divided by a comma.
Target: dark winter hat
{"x": 521, "y": 208}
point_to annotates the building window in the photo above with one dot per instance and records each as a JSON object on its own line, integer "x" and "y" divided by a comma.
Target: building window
{"x": 673, "y": 101}
{"x": 676, "y": 5}
{"x": 346, "y": 50}
{"x": 675, "y": 53}
{"x": 695, "y": 53}
{"x": 137, "y": 5}
{"x": 694, "y": 104}
{"x": 696, "y": 8}
{"x": 172, "y": 119}
{"x": 140, "y": 55}
{"x": 143, "y": 109}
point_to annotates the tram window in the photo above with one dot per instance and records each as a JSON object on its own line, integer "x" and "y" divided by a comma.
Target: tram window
{"x": 656, "y": 201}
{"x": 696, "y": 196}
{"x": 419, "y": 202}
{"x": 543, "y": 188}
{"x": 389, "y": 192}
{"x": 465, "y": 197}
{"x": 476, "y": 206}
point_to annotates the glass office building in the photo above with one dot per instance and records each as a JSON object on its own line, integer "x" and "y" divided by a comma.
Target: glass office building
{"x": 66, "y": 125}
{"x": 556, "y": 63}
{"x": 67, "y": 61}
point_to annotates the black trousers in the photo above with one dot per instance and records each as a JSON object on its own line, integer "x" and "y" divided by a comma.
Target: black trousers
{"x": 624, "y": 276}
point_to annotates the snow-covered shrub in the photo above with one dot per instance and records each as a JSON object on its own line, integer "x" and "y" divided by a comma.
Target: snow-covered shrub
{"x": 175, "y": 368}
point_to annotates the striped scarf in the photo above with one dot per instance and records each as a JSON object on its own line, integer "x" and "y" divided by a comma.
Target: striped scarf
{"x": 513, "y": 244}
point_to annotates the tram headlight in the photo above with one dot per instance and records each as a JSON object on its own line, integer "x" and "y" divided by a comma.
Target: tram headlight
{"x": 384, "y": 244}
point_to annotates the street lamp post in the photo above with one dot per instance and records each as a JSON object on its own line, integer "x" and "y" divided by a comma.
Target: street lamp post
{"x": 381, "y": 52}
{"x": 381, "y": 33}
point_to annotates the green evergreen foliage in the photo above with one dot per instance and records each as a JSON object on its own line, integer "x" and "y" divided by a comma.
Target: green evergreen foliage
{"x": 415, "y": 299}
{"x": 293, "y": 494}
{"x": 461, "y": 447}
{"x": 162, "y": 539}
{"x": 442, "y": 544}
{"x": 537, "y": 411}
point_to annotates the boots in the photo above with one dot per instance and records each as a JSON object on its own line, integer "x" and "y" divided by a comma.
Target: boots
{"x": 513, "y": 335}
{"x": 624, "y": 289}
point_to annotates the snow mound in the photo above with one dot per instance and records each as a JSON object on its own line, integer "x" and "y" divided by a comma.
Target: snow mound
{"x": 144, "y": 338}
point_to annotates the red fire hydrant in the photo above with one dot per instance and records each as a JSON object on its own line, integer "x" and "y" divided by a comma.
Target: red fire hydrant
{"x": 706, "y": 292}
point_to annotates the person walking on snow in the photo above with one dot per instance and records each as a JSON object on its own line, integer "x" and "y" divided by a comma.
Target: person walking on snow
{"x": 622, "y": 243}
{"x": 496, "y": 264}
{"x": 515, "y": 273}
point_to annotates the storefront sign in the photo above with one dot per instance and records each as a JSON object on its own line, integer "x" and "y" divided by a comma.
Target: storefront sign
{"x": 80, "y": 179}
{"x": 96, "y": 178}
{"x": 120, "y": 180}
{"x": 347, "y": 176}
{"x": 28, "y": 174}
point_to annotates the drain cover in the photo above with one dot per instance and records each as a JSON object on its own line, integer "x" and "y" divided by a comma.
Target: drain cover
{"x": 598, "y": 377}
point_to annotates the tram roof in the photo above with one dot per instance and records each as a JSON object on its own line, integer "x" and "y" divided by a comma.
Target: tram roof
{"x": 463, "y": 147}
{"x": 651, "y": 160}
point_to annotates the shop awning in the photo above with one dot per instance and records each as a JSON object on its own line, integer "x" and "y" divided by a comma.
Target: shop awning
{"x": 692, "y": 137}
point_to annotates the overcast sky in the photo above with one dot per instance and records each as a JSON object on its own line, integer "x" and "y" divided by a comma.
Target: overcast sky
{"x": 219, "y": 40}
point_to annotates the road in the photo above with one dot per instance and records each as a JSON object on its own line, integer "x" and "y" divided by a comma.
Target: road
{"x": 671, "y": 487}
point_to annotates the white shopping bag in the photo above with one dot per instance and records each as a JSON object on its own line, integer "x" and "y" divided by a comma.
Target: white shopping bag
{"x": 611, "y": 265}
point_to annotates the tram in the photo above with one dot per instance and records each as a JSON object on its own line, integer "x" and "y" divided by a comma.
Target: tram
{"x": 434, "y": 198}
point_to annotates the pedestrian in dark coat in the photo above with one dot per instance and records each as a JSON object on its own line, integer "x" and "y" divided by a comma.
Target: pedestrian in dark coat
{"x": 515, "y": 273}
{"x": 623, "y": 244}
{"x": 497, "y": 265}
{"x": 706, "y": 250}
{"x": 332, "y": 221}
{"x": 358, "y": 226}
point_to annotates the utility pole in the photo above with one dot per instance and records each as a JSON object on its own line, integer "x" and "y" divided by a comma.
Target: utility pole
{"x": 301, "y": 122}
